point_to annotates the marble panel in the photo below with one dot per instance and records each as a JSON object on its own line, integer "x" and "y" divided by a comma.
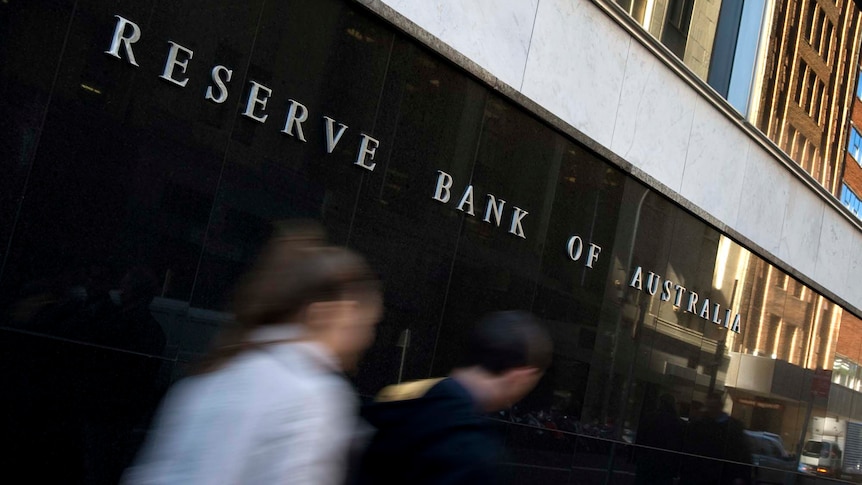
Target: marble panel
{"x": 800, "y": 233}
{"x": 765, "y": 193}
{"x": 836, "y": 235}
{"x": 654, "y": 117}
{"x": 715, "y": 163}
{"x": 576, "y": 65}
{"x": 852, "y": 287}
{"x": 493, "y": 33}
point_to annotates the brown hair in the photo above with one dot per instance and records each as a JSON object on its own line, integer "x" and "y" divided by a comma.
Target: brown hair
{"x": 295, "y": 268}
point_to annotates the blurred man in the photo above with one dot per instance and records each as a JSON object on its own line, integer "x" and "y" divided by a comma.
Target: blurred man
{"x": 663, "y": 430}
{"x": 432, "y": 431}
{"x": 720, "y": 438}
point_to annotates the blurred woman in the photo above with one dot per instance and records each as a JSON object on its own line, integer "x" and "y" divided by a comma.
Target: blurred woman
{"x": 270, "y": 405}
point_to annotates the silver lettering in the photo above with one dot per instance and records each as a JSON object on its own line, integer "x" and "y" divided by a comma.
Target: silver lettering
{"x": 665, "y": 294}
{"x": 517, "y": 217}
{"x": 254, "y": 101}
{"x": 677, "y": 299}
{"x": 365, "y": 150}
{"x": 593, "y": 256}
{"x": 735, "y": 326}
{"x": 332, "y": 140}
{"x": 444, "y": 183}
{"x": 653, "y": 281}
{"x": 637, "y": 279}
{"x": 172, "y": 62}
{"x": 493, "y": 206}
{"x": 216, "y": 75}
{"x": 120, "y": 39}
{"x": 467, "y": 198}
{"x": 294, "y": 120}
{"x": 575, "y": 247}
{"x": 692, "y": 301}
{"x": 704, "y": 310}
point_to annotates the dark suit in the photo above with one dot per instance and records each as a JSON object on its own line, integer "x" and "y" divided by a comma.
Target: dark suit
{"x": 429, "y": 432}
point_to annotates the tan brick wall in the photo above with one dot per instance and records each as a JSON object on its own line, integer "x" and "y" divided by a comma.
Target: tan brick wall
{"x": 850, "y": 337}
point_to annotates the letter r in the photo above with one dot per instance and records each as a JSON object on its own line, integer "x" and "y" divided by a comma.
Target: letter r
{"x": 126, "y": 41}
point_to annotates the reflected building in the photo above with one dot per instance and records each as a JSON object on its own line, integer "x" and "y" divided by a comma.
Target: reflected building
{"x": 808, "y": 83}
{"x": 851, "y": 185}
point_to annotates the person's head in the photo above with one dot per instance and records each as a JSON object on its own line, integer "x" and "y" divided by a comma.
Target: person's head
{"x": 138, "y": 286}
{"x": 695, "y": 410}
{"x": 509, "y": 352}
{"x": 329, "y": 291}
{"x": 667, "y": 403}
{"x": 713, "y": 406}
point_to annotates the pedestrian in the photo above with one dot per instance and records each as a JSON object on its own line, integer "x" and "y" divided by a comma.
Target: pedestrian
{"x": 719, "y": 453}
{"x": 270, "y": 404}
{"x": 433, "y": 431}
{"x": 659, "y": 442}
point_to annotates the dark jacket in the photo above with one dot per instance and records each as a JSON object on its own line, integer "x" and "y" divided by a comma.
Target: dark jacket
{"x": 429, "y": 432}
{"x": 723, "y": 440}
{"x": 661, "y": 431}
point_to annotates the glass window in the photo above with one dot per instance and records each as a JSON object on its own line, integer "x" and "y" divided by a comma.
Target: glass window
{"x": 859, "y": 85}
{"x": 855, "y": 144}
{"x": 718, "y": 41}
{"x": 851, "y": 200}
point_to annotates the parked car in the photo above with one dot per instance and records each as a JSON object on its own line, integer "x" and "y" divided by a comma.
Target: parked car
{"x": 821, "y": 458}
{"x": 774, "y": 464}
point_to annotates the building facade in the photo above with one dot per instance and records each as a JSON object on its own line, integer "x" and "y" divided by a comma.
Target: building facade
{"x": 549, "y": 156}
{"x": 809, "y": 84}
{"x": 852, "y": 179}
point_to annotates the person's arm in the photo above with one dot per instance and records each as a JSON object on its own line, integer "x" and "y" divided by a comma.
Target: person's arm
{"x": 303, "y": 434}
{"x": 202, "y": 435}
{"x": 466, "y": 454}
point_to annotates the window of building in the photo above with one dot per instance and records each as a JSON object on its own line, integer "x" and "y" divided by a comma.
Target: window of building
{"x": 817, "y": 32}
{"x": 638, "y": 10}
{"x": 810, "y": 18}
{"x": 859, "y": 85}
{"x": 821, "y": 112}
{"x": 717, "y": 41}
{"x": 829, "y": 43}
{"x": 803, "y": 77}
{"x": 790, "y": 136}
{"x": 855, "y": 145}
{"x": 851, "y": 200}
{"x": 796, "y": 147}
{"x": 679, "y": 14}
{"x": 847, "y": 373}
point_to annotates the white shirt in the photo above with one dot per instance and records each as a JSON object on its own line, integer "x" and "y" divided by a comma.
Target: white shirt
{"x": 277, "y": 416}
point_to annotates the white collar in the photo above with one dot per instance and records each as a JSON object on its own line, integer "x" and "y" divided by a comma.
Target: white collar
{"x": 290, "y": 337}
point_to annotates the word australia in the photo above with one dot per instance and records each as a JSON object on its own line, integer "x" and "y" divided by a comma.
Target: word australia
{"x": 127, "y": 33}
{"x": 684, "y": 298}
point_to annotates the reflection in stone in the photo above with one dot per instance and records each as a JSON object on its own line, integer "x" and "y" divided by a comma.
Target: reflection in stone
{"x": 91, "y": 377}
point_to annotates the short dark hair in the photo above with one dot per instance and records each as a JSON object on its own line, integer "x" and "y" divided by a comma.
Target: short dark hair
{"x": 501, "y": 341}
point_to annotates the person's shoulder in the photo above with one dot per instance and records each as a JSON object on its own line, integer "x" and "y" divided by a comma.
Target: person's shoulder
{"x": 424, "y": 406}
{"x": 407, "y": 391}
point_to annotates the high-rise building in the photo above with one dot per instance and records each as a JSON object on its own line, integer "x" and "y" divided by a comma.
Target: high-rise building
{"x": 851, "y": 187}
{"x": 809, "y": 82}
